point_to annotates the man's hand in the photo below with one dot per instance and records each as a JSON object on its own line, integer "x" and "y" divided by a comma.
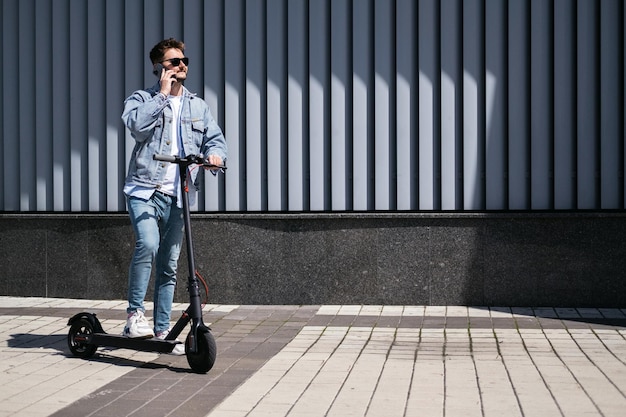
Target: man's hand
{"x": 214, "y": 160}
{"x": 168, "y": 77}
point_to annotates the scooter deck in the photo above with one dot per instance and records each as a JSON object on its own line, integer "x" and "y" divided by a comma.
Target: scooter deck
{"x": 119, "y": 341}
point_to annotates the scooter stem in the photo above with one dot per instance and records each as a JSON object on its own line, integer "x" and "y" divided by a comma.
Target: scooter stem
{"x": 195, "y": 309}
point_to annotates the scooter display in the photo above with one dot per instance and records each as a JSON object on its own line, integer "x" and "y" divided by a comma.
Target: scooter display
{"x": 86, "y": 333}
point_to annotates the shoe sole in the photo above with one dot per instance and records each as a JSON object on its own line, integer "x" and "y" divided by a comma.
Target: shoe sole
{"x": 176, "y": 353}
{"x": 147, "y": 336}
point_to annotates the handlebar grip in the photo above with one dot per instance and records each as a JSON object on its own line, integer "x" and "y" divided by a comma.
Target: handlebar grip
{"x": 166, "y": 158}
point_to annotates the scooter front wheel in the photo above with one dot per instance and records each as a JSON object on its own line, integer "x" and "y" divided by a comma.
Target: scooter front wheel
{"x": 76, "y": 339}
{"x": 203, "y": 359}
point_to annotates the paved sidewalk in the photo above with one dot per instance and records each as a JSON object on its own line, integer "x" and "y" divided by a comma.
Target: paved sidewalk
{"x": 324, "y": 361}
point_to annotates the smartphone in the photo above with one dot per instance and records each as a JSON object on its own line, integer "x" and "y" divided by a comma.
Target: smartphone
{"x": 157, "y": 70}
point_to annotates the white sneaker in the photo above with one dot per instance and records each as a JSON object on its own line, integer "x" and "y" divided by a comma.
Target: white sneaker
{"x": 137, "y": 326}
{"x": 179, "y": 348}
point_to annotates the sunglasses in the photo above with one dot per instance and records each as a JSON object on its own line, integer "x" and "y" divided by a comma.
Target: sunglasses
{"x": 176, "y": 61}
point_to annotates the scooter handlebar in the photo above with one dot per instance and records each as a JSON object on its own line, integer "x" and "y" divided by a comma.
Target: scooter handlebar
{"x": 189, "y": 159}
{"x": 165, "y": 158}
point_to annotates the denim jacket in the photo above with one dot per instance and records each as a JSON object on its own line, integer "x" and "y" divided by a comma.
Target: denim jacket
{"x": 148, "y": 116}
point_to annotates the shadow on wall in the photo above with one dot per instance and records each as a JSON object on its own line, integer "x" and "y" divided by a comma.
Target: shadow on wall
{"x": 519, "y": 259}
{"x": 563, "y": 260}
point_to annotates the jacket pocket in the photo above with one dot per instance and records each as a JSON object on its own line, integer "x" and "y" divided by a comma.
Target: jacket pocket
{"x": 198, "y": 126}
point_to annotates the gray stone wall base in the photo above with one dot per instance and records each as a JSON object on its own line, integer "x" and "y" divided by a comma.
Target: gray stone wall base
{"x": 487, "y": 259}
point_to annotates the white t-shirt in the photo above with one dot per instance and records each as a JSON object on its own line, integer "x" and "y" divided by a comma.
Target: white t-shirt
{"x": 171, "y": 181}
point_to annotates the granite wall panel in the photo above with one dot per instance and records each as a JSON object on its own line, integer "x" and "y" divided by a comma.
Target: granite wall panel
{"x": 23, "y": 259}
{"x": 523, "y": 259}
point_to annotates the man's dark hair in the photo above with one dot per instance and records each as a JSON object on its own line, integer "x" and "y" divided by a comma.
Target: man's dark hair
{"x": 157, "y": 53}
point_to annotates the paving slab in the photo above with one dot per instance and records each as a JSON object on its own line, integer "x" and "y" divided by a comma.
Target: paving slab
{"x": 328, "y": 360}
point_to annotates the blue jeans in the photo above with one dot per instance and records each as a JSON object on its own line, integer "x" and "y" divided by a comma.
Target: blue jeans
{"x": 158, "y": 226}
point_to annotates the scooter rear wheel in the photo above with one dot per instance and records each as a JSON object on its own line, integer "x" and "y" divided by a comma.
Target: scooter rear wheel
{"x": 203, "y": 360}
{"x": 76, "y": 342}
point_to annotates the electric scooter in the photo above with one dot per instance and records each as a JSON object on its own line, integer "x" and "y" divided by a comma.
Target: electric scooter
{"x": 86, "y": 333}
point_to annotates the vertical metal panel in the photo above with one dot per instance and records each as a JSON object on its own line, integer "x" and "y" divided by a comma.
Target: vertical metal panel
{"x": 114, "y": 91}
{"x": 173, "y": 25}
{"x": 255, "y": 106}
{"x": 496, "y": 81}
{"x": 588, "y": 99}
{"x": 327, "y": 105}
{"x": 518, "y": 105}
{"x": 611, "y": 97}
{"x": 340, "y": 103}
{"x": 211, "y": 53}
{"x": 473, "y": 106}
{"x": 10, "y": 126}
{"x": 451, "y": 105}
{"x": 384, "y": 134}
{"x": 96, "y": 115}
{"x": 428, "y": 14}
{"x": 193, "y": 21}
{"x": 78, "y": 88}
{"x": 150, "y": 22}
{"x": 406, "y": 107}
{"x": 234, "y": 105}
{"x": 319, "y": 88}
{"x": 24, "y": 100}
{"x": 362, "y": 85}
{"x": 61, "y": 133}
{"x": 541, "y": 106}
{"x": 564, "y": 105}
{"x": 4, "y": 30}
{"x": 43, "y": 104}
{"x": 297, "y": 104}
{"x": 276, "y": 105}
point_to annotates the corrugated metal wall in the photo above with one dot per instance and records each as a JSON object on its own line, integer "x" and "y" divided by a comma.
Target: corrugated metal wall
{"x": 328, "y": 105}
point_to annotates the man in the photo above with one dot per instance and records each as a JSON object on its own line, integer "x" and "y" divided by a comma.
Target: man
{"x": 163, "y": 119}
